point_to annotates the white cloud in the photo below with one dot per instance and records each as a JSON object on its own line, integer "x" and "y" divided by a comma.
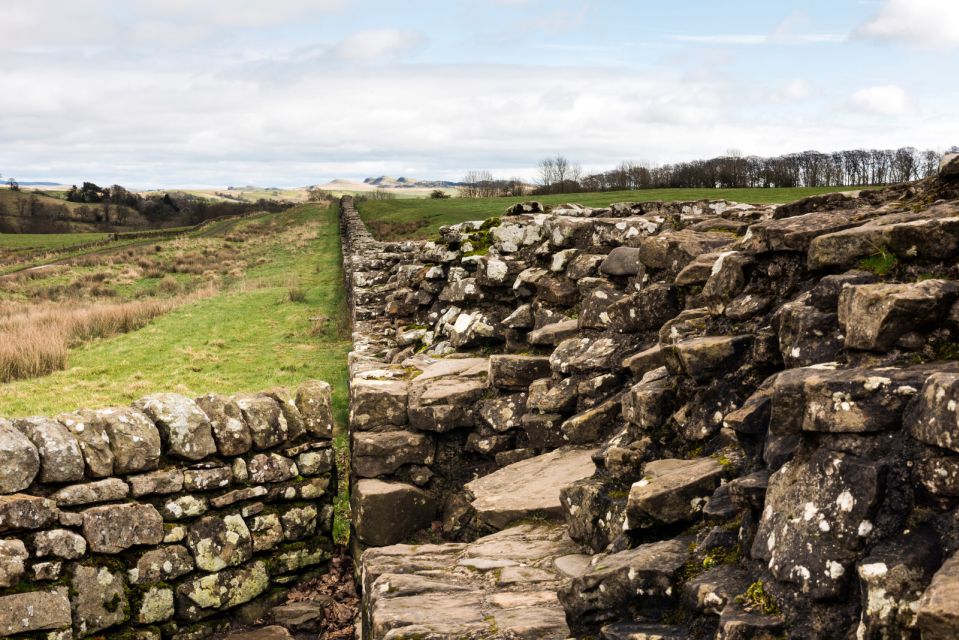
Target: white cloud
{"x": 793, "y": 91}
{"x": 886, "y": 100}
{"x": 926, "y": 23}
{"x": 755, "y": 38}
{"x": 372, "y": 44}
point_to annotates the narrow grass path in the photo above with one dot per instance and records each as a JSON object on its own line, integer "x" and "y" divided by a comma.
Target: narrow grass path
{"x": 251, "y": 336}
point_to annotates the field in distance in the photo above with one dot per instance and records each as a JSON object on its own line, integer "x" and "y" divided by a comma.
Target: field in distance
{"x": 245, "y": 306}
{"x": 420, "y": 219}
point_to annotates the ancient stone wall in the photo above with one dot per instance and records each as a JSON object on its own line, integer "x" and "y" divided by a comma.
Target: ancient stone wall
{"x": 163, "y": 518}
{"x": 662, "y": 420}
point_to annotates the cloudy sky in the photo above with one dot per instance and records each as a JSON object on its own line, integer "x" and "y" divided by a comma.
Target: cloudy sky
{"x": 294, "y": 92}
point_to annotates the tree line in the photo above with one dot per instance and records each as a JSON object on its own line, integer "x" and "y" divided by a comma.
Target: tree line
{"x": 854, "y": 167}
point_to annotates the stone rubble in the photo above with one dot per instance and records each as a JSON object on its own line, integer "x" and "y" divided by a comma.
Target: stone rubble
{"x": 730, "y": 421}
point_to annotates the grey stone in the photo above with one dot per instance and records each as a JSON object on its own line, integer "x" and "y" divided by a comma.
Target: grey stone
{"x": 938, "y": 617}
{"x": 61, "y": 459}
{"x": 622, "y": 261}
{"x": 516, "y": 372}
{"x": 378, "y": 454}
{"x": 162, "y": 564}
{"x": 164, "y": 481}
{"x": 94, "y": 442}
{"x": 183, "y": 425}
{"x": 19, "y": 513}
{"x": 42, "y": 610}
{"x": 671, "y": 491}
{"x": 13, "y": 553}
{"x": 204, "y": 596}
{"x": 875, "y": 316}
{"x": 553, "y": 334}
{"x": 385, "y": 513}
{"x": 108, "y": 490}
{"x": 230, "y": 430}
{"x": 134, "y": 439}
{"x": 816, "y": 518}
{"x": 21, "y": 460}
{"x": 271, "y": 468}
{"x": 530, "y": 487}
{"x": 703, "y": 358}
{"x": 936, "y": 420}
{"x": 218, "y": 542}
{"x": 266, "y": 421}
{"x": 736, "y": 623}
{"x": 59, "y": 543}
{"x": 949, "y": 166}
{"x": 115, "y": 528}
{"x": 377, "y": 403}
{"x": 99, "y": 599}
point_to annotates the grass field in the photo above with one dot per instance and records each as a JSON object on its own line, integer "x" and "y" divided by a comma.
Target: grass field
{"x": 47, "y": 241}
{"x": 399, "y": 219}
{"x": 279, "y": 322}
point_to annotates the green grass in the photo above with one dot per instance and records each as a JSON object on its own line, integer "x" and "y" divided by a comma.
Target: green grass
{"x": 422, "y": 218}
{"x": 248, "y": 337}
{"x": 47, "y": 241}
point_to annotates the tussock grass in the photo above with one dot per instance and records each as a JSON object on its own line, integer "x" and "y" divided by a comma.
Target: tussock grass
{"x": 35, "y": 339}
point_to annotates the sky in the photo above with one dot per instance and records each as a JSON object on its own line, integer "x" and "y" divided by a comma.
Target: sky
{"x": 153, "y": 93}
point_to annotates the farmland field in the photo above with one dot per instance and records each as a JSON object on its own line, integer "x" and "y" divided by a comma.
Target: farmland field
{"x": 259, "y": 303}
{"x": 398, "y": 219}
{"x": 47, "y": 241}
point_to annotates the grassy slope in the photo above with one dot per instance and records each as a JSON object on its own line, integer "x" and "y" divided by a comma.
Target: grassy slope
{"x": 394, "y": 219}
{"x": 247, "y": 338}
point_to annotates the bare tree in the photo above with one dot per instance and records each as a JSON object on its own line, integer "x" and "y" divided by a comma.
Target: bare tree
{"x": 547, "y": 174}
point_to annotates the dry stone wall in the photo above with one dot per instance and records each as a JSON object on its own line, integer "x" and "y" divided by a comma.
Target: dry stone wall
{"x": 667, "y": 420}
{"x": 164, "y": 518}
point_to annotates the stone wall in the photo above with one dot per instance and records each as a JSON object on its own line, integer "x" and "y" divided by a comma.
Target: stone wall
{"x": 743, "y": 419}
{"x": 163, "y": 518}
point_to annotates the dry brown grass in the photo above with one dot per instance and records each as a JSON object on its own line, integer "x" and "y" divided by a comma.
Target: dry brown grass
{"x": 35, "y": 339}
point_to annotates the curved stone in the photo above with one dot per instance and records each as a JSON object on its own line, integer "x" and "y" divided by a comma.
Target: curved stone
{"x": 183, "y": 425}
{"x": 21, "y": 461}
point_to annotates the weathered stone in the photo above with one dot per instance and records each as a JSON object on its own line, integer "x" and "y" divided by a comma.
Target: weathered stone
{"x": 622, "y": 261}
{"x": 807, "y": 336}
{"x": 938, "y": 617}
{"x": 183, "y": 425}
{"x": 162, "y": 564}
{"x": 949, "y": 165}
{"x": 550, "y": 396}
{"x": 939, "y": 475}
{"x": 230, "y": 430}
{"x": 272, "y": 632}
{"x": 727, "y": 278}
{"x": 587, "y": 355}
{"x": 591, "y": 425}
{"x": 99, "y": 599}
{"x": 271, "y": 468}
{"x": 61, "y": 459}
{"x": 314, "y": 400}
{"x": 712, "y": 590}
{"x": 207, "y": 478}
{"x": 219, "y": 542}
{"x": 378, "y": 403}
{"x": 115, "y": 528}
{"x": 299, "y": 522}
{"x": 503, "y": 413}
{"x": 184, "y": 507}
{"x": 824, "y": 399}
{"x": 530, "y": 487}
{"x": 163, "y": 482}
{"x": 516, "y": 372}
{"x": 108, "y": 490}
{"x": 737, "y": 623}
{"x": 645, "y": 310}
{"x": 295, "y": 423}
{"x": 553, "y": 334}
{"x": 19, "y": 512}
{"x": 12, "y": 555}
{"x": 875, "y": 316}
{"x": 59, "y": 543}
{"x": 644, "y": 578}
{"x": 794, "y": 233}
{"x": 385, "y": 513}
{"x": 673, "y": 250}
{"x": 442, "y": 403}
{"x": 936, "y": 420}
{"x": 649, "y": 403}
{"x": 703, "y": 358}
{"x": 267, "y": 531}
{"x": 645, "y": 361}
{"x": 238, "y": 495}
{"x": 34, "y": 611}
{"x": 892, "y": 578}
{"x": 624, "y": 631}
{"x": 671, "y": 491}
{"x": 94, "y": 442}
{"x": 378, "y": 454}
{"x": 816, "y": 517}
{"x": 314, "y": 463}
{"x": 21, "y": 461}
{"x": 155, "y": 605}
{"x": 266, "y": 421}
{"x": 203, "y": 596}
{"x": 134, "y": 439}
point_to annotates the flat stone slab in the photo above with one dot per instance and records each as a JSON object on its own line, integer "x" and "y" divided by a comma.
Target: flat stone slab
{"x": 529, "y": 487}
{"x": 501, "y": 586}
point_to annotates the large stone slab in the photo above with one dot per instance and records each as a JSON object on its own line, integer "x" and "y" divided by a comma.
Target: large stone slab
{"x": 34, "y": 611}
{"x": 185, "y": 428}
{"x": 385, "y": 513}
{"x": 21, "y": 462}
{"x": 61, "y": 459}
{"x": 529, "y": 487}
{"x": 671, "y": 491}
{"x": 382, "y": 453}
